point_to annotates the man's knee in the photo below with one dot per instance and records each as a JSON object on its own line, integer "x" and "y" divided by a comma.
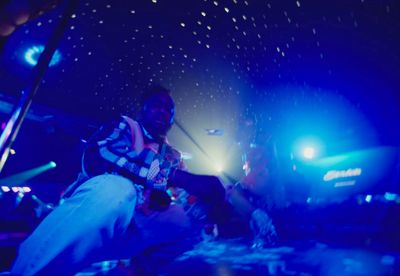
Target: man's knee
{"x": 108, "y": 192}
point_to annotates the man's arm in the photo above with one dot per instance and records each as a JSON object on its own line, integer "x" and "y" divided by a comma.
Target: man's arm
{"x": 240, "y": 203}
{"x": 249, "y": 211}
{"x": 206, "y": 188}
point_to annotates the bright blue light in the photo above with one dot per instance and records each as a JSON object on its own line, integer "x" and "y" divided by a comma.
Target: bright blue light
{"x": 390, "y": 196}
{"x": 307, "y": 148}
{"x": 368, "y": 198}
{"x": 309, "y": 153}
{"x": 32, "y": 56}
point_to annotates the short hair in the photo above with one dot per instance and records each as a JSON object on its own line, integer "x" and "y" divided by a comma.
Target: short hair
{"x": 150, "y": 91}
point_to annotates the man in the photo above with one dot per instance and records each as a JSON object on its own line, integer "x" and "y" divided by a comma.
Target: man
{"x": 118, "y": 207}
{"x": 256, "y": 193}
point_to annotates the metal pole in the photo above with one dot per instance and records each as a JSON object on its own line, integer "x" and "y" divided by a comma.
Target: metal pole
{"x": 180, "y": 126}
{"x": 14, "y": 123}
{"x": 190, "y": 137}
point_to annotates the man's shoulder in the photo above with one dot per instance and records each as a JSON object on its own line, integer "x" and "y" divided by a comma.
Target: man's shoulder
{"x": 127, "y": 119}
{"x": 173, "y": 152}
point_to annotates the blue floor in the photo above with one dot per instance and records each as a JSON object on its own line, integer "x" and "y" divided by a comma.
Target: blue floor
{"x": 228, "y": 257}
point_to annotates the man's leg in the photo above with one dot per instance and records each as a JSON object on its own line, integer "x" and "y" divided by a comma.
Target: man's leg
{"x": 80, "y": 230}
{"x": 156, "y": 240}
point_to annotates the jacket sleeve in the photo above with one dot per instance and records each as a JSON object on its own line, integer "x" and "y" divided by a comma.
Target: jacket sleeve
{"x": 207, "y": 188}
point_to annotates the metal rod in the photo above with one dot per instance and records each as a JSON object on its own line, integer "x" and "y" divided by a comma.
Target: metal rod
{"x": 14, "y": 123}
{"x": 190, "y": 137}
{"x": 180, "y": 126}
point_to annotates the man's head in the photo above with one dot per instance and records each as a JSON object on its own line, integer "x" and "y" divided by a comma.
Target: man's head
{"x": 157, "y": 111}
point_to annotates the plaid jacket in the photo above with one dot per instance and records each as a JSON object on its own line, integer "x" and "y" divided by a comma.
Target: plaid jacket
{"x": 125, "y": 148}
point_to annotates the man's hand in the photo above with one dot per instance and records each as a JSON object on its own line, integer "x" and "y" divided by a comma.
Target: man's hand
{"x": 261, "y": 220}
{"x": 263, "y": 228}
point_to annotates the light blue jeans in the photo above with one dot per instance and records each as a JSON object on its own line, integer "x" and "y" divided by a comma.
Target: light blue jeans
{"x": 98, "y": 222}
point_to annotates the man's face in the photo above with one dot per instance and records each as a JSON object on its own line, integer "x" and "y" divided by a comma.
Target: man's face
{"x": 158, "y": 114}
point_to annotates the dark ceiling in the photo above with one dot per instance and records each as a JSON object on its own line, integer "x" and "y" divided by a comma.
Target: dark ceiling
{"x": 293, "y": 68}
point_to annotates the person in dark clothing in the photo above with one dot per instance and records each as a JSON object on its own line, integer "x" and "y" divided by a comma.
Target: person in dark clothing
{"x": 118, "y": 207}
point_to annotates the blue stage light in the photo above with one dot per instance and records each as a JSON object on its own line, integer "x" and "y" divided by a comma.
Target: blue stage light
{"x": 390, "y": 196}
{"x": 309, "y": 152}
{"x": 32, "y": 55}
{"x": 368, "y": 198}
{"x": 307, "y": 148}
